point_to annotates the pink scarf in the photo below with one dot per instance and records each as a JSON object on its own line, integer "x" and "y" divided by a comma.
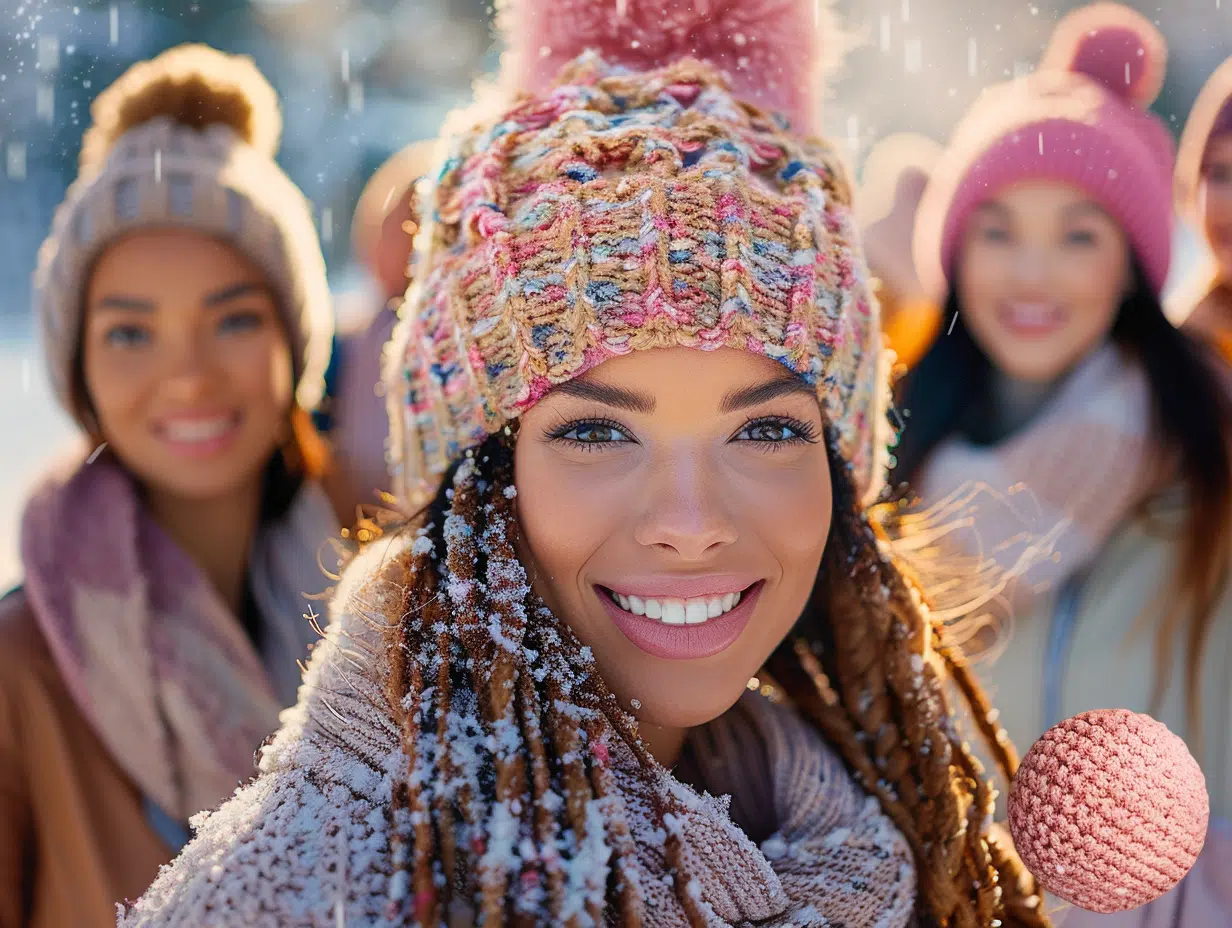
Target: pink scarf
{"x": 1041, "y": 504}
{"x": 151, "y": 655}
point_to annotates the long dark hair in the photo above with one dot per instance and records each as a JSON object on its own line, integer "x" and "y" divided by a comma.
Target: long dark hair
{"x": 1191, "y": 423}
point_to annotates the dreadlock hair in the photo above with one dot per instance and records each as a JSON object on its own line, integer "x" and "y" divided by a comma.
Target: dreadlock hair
{"x": 510, "y": 730}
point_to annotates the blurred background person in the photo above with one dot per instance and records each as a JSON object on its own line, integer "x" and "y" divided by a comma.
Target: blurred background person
{"x": 383, "y": 232}
{"x": 1204, "y": 196}
{"x": 186, "y": 323}
{"x": 1048, "y": 224}
{"x": 895, "y": 175}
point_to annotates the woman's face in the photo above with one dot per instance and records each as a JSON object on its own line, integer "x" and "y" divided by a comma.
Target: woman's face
{"x": 674, "y": 507}
{"x": 1215, "y": 201}
{"x": 186, "y": 363}
{"x": 1041, "y": 275}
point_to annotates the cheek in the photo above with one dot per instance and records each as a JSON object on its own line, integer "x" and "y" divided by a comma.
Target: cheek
{"x": 117, "y": 383}
{"x": 786, "y": 507}
{"x": 1095, "y": 284}
{"x": 260, "y": 371}
{"x": 982, "y": 284}
{"x": 566, "y": 512}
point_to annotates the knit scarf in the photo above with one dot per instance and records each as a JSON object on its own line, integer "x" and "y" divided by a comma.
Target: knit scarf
{"x": 309, "y": 841}
{"x": 1042, "y": 503}
{"x": 150, "y": 653}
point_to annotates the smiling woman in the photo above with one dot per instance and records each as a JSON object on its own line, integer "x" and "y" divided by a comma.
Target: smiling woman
{"x": 1062, "y": 387}
{"x": 168, "y": 568}
{"x": 639, "y": 380}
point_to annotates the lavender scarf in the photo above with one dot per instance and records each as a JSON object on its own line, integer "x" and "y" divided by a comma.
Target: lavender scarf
{"x": 151, "y": 655}
{"x": 308, "y": 842}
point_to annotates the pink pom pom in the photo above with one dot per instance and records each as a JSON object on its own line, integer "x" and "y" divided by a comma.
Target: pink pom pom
{"x": 1113, "y": 45}
{"x": 1109, "y": 810}
{"x": 771, "y": 50}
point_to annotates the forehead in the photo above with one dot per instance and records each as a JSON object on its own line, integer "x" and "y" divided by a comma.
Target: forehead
{"x": 1042, "y": 198}
{"x": 170, "y": 264}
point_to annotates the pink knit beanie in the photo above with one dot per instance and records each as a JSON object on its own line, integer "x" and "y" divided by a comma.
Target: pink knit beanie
{"x": 1082, "y": 119}
{"x": 1211, "y": 116}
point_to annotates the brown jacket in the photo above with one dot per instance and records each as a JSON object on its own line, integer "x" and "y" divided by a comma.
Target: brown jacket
{"x": 74, "y": 839}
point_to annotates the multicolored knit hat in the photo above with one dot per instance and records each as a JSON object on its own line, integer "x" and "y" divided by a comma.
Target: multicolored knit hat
{"x": 633, "y": 205}
{"x": 1082, "y": 119}
{"x": 187, "y": 140}
{"x": 1211, "y": 116}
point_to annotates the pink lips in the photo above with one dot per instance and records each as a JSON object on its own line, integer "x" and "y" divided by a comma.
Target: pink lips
{"x": 683, "y": 642}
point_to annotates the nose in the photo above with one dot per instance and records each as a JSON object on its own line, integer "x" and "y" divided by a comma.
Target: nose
{"x": 684, "y": 512}
{"x": 1030, "y": 266}
{"x": 190, "y": 369}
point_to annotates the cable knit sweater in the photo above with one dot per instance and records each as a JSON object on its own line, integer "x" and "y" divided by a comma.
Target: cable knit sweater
{"x": 307, "y": 843}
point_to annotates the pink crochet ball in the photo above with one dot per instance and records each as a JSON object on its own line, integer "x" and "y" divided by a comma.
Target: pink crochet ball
{"x": 1109, "y": 810}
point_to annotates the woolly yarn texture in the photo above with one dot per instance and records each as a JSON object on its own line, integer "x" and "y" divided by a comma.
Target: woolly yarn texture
{"x": 1109, "y": 810}
{"x": 316, "y": 841}
{"x": 619, "y": 212}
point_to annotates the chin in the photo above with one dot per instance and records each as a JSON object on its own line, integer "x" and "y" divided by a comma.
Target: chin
{"x": 1037, "y": 367}
{"x": 203, "y": 480}
{"x": 683, "y": 706}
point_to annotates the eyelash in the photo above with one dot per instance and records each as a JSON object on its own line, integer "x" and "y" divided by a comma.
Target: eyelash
{"x": 804, "y": 432}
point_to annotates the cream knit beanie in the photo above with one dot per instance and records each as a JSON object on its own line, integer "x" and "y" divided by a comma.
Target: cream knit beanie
{"x": 188, "y": 140}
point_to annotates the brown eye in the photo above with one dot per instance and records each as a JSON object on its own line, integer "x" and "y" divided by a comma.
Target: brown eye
{"x": 592, "y": 433}
{"x": 776, "y": 431}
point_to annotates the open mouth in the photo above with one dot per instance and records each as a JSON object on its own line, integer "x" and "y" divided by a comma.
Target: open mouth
{"x": 1030, "y": 319}
{"x": 681, "y": 628}
{"x": 196, "y": 435}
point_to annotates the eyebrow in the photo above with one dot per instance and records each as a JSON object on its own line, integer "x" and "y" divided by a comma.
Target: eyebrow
{"x": 992, "y": 206}
{"x": 1077, "y": 210}
{"x": 764, "y": 392}
{"x": 226, "y": 294}
{"x": 127, "y": 303}
{"x": 139, "y": 304}
{"x": 634, "y": 401}
{"x": 609, "y": 395}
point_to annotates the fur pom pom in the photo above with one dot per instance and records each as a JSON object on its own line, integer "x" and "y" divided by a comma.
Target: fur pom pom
{"x": 193, "y": 85}
{"x": 1114, "y": 45}
{"x": 775, "y": 52}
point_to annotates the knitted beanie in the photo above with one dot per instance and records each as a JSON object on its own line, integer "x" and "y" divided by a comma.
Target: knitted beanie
{"x": 1081, "y": 119}
{"x": 1211, "y": 116}
{"x": 632, "y": 206}
{"x": 186, "y": 140}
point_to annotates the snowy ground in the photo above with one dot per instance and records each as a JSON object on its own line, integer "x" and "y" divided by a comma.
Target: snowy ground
{"x": 33, "y": 431}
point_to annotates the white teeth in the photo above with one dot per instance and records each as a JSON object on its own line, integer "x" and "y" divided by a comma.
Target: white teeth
{"x": 678, "y": 611}
{"x": 695, "y": 611}
{"x": 197, "y": 430}
{"x": 1034, "y": 313}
